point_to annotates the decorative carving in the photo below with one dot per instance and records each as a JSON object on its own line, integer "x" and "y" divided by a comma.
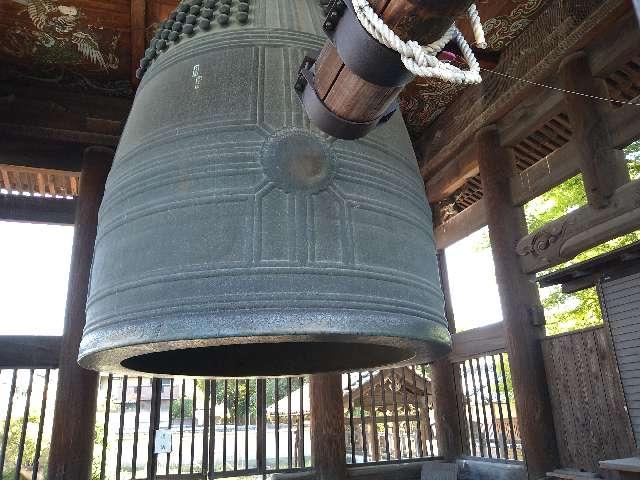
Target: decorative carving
{"x": 424, "y": 100}
{"x": 59, "y": 34}
{"x": 541, "y": 242}
{"x": 501, "y": 30}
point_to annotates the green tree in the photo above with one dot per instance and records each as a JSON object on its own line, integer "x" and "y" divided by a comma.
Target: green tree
{"x": 271, "y": 395}
{"x": 13, "y": 446}
{"x": 568, "y": 312}
{"x": 176, "y": 408}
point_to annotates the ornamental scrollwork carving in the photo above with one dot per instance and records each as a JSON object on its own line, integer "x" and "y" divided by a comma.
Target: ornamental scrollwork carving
{"x": 540, "y": 243}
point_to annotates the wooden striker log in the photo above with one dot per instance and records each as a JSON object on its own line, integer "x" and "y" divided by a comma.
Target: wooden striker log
{"x": 352, "y": 98}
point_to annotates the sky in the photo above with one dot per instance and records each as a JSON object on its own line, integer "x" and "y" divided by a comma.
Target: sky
{"x": 35, "y": 259}
{"x": 472, "y": 281}
{"x": 34, "y": 266}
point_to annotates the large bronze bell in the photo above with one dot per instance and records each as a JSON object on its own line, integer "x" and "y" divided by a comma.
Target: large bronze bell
{"x": 234, "y": 239}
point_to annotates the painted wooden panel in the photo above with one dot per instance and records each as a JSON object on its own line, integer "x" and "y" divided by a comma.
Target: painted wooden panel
{"x": 47, "y": 37}
{"x": 587, "y": 399}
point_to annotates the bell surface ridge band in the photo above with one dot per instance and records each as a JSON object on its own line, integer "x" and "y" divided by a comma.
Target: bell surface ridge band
{"x": 235, "y": 240}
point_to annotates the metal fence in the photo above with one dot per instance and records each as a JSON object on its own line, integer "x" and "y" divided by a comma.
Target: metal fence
{"x": 389, "y": 415}
{"x": 488, "y": 416}
{"x": 218, "y": 428}
{"x": 224, "y": 428}
{"x": 26, "y": 420}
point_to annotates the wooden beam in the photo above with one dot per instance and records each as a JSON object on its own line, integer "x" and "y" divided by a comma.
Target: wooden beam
{"x": 521, "y": 309}
{"x": 477, "y": 341}
{"x": 453, "y": 176}
{"x": 50, "y": 155}
{"x": 73, "y": 432}
{"x": 529, "y": 115}
{"x": 581, "y": 229}
{"x": 62, "y": 116}
{"x": 470, "y": 220}
{"x": 138, "y": 35}
{"x": 54, "y": 211}
{"x": 328, "y": 446}
{"x": 555, "y": 168}
{"x": 443, "y": 382}
{"x": 548, "y": 41}
{"x": 59, "y": 134}
{"x": 353, "y": 98}
{"x": 446, "y": 290}
{"x": 603, "y": 168}
{"x": 28, "y": 351}
{"x": 615, "y": 47}
{"x": 624, "y": 124}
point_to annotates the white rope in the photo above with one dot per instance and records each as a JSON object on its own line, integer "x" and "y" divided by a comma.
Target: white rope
{"x": 476, "y": 25}
{"x": 422, "y": 60}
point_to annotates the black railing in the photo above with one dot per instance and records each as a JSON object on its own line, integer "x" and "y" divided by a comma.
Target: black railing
{"x": 389, "y": 415}
{"x": 218, "y": 428}
{"x": 488, "y": 417}
{"x": 26, "y": 416}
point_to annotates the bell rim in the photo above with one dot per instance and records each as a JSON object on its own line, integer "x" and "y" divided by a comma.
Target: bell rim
{"x": 415, "y": 352}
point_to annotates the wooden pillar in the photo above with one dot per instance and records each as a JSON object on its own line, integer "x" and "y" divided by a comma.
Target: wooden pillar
{"x": 603, "y": 167}
{"x": 448, "y": 433}
{"x": 521, "y": 308}
{"x": 328, "y": 448}
{"x": 72, "y": 438}
{"x": 154, "y": 425}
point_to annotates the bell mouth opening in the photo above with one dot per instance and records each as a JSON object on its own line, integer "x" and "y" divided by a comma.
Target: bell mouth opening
{"x": 267, "y": 359}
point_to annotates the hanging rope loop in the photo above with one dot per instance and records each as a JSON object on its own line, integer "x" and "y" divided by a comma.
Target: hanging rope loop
{"x": 422, "y": 60}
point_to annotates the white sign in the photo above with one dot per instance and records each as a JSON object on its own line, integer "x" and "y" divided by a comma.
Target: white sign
{"x": 196, "y": 75}
{"x": 163, "y": 441}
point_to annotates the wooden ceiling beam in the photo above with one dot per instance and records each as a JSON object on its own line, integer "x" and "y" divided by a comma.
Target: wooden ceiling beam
{"x": 552, "y": 170}
{"x": 41, "y": 154}
{"x": 62, "y": 134}
{"x": 453, "y": 176}
{"x": 615, "y": 47}
{"x": 530, "y": 115}
{"x": 555, "y": 168}
{"x": 22, "y": 208}
{"x": 58, "y": 116}
{"x": 486, "y": 104}
{"x": 603, "y": 168}
{"x": 470, "y": 220}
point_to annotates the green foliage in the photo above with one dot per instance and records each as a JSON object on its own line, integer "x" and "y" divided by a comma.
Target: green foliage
{"x": 504, "y": 388}
{"x": 569, "y": 312}
{"x": 555, "y": 203}
{"x": 271, "y": 395}
{"x": 633, "y": 156}
{"x": 176, "y": 408}
{"x": 13, "y": 445}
